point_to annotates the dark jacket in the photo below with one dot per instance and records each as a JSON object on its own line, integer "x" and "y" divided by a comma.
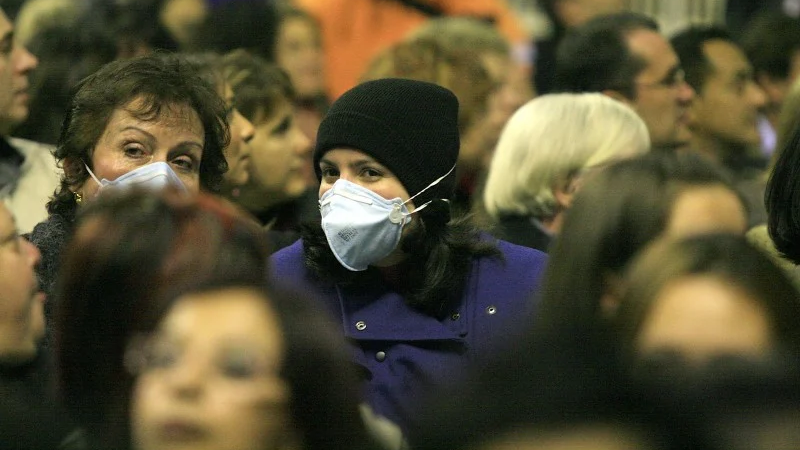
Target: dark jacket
{"x": 403, "y": 353}
{"x": 30, "y": 415}
{"x": 50, "y": 237}
{"x": 522, "y": 230}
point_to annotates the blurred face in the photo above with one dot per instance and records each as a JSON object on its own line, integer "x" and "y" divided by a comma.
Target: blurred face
{"x": 279, "y": 152}
{"x": 237, "y": 153}
{"x": 726, "y": 111}
{"x": 706, "y": 209}
{"x": 15, "y": 65}
{"x": 701, "y": 316}
{"x": 210, "y": 377}
{"x": 21, "y": 302}
{"x": 359, "y": 168}
{"x": 128, "y": 142}
{"x": 299, "y": 52}
{"x": 662, "y": 96}
{"x": 183, "y": 18}
{"x": 479, "y": 141}
{"x": 777, "y": 88}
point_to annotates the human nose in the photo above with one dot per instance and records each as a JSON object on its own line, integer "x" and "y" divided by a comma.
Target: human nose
{"x": 25, "y": 60}
{"x": 685, "y": 92}
{"x": 186, "y": 379}
{"x": 302, "y": 144}
{"x": 247, "y": 130}
{"x": 34, "y": 255}
{"x": 758, "y": 97}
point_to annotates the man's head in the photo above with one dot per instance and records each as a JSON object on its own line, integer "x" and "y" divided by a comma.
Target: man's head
{"x": 15, "y": 64}
{"x": 725, "y": 109}
{"x": 21, "y": 302}
{"x": 772, "y": 44}
{"x": 624, "y": 56}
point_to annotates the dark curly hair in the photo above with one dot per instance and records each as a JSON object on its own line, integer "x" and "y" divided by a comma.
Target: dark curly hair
{"x": 160, "y": 79}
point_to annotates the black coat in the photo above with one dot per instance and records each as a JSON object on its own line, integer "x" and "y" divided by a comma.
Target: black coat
{"x": 30, "y": 415}
{"x": 50, "y": 237}
{"x": 521, "y": 230}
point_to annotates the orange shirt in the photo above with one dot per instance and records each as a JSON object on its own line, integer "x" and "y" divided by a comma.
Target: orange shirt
{"x": 354, "y": 31}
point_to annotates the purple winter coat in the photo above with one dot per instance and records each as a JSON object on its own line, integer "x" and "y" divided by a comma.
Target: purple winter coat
{"x": 403, "y": 353}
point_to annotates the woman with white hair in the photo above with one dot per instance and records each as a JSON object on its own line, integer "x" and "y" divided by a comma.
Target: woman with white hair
{"x": 544, "y": 152}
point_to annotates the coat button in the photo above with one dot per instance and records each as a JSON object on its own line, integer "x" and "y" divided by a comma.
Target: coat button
{"x": 455, "y": 316}
{"x": 380, "y": 356}
{"x": 491, "y": 310}
{"x": 361, "y": 325}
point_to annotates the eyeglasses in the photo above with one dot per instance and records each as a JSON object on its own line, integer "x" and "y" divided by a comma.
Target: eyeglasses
{"x": 671, "y": 81}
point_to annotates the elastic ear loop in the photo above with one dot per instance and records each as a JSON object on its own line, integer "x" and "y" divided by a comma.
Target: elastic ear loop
{"x": 92, "y": 174}
{"x": 397, "y": 216}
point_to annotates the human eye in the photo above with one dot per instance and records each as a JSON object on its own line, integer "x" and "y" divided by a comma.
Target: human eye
{"x": 133, "y": 149}
{"x": 238, "y": 365}
{"x": 371, "y": 173}
{"x": 160, "y": 354}
{"x": 283, "y": 127}
{"x": 740, "y": 85}
{"x": 7, "y": 45}
{"x": 14, "y": 239}
{"x": 185, "y": 163}
{"x": 16, "y": 242}
{"x": 329, "y": 173}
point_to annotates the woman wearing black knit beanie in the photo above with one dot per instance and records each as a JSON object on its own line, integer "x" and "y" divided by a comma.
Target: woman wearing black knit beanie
{"x": 421, "y": 298}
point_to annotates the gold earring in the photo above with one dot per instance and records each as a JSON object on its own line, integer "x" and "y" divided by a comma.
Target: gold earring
{"x": 78, "y": 197}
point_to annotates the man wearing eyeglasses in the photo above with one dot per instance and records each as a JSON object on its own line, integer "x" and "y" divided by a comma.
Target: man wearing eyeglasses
{"x": 625, "y": 57}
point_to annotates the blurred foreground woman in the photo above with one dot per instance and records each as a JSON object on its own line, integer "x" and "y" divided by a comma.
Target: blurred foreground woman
{"x": 166, "y": 334}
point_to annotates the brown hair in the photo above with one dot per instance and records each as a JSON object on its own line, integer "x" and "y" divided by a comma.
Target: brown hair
{"x": 258, "y": 86}
{"x": 132, "y": 253}
{"x": 161, "y": 80}
{"x": 460, "y": 71}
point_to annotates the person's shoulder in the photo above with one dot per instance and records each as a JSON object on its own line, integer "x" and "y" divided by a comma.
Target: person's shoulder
{"x": 288, "y": 261}
{"x": 518, "y": 265}
{"x": 514, "y": 254}
{"x": 28, "y": 147}
{"x": 39, "y": 158}
{"x": 520, "y": 251}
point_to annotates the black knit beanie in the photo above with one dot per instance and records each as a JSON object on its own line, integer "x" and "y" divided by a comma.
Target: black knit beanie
{"x": 409, "y": 126}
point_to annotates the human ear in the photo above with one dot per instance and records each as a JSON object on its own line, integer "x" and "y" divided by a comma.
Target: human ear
{"x": 564, "y": 191}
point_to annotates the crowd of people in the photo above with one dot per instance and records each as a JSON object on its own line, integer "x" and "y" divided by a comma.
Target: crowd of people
{"x": 394, "y": 225}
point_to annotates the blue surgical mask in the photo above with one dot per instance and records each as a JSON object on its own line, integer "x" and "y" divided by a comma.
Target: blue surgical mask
{"x": 154, "y": 176}
{"x": 362, "y": 227}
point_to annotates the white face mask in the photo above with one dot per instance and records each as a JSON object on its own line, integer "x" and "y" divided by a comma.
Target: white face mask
{"x": 154, "y": 176}
{"x": 362, "y": 227}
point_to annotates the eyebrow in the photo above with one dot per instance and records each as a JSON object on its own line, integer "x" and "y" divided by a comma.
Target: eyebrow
{"x": 355, "y": 164}
{"x": 152, "y": 138}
